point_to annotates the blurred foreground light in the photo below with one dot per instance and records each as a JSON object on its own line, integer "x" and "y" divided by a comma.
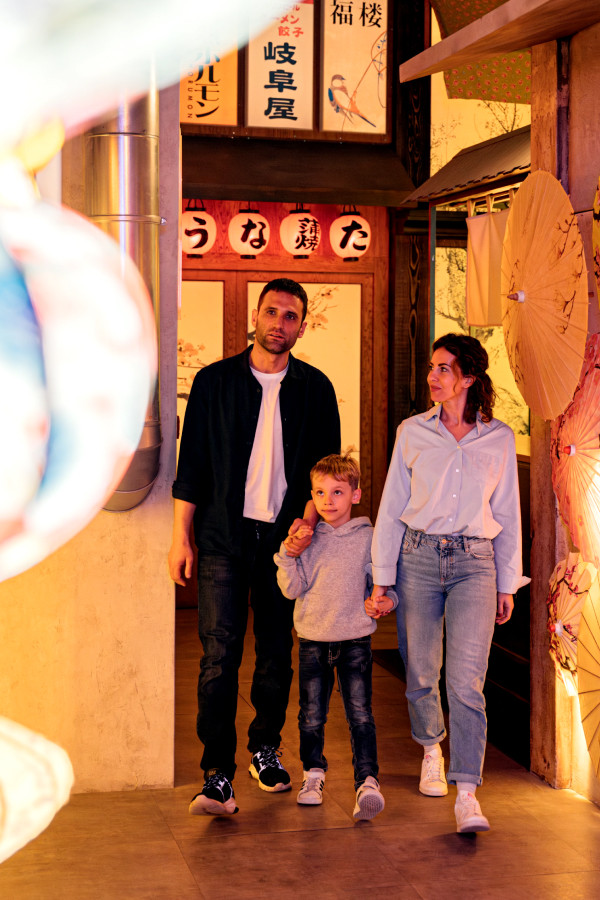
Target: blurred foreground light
{"x": 24, "y": 411}
{"x": 78, "y": 59}
{"x": 35, "y": 781}
{"x": 100, "y": 360}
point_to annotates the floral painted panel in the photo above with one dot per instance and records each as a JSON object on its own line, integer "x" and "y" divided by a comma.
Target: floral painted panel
{"x": 331, "y": 342}
{"x": 199, "y": 334}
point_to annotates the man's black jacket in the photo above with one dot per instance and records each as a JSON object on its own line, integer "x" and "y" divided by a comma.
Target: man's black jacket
{"x": 217, "y": 438}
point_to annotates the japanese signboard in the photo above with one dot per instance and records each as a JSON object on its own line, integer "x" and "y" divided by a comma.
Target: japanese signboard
{"x": 208, "y": 91}
{"x": 354, "y": 70}
{"x": 279, "y": 81}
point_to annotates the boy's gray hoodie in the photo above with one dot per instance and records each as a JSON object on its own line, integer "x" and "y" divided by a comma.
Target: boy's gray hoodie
{"x": 330, "y": 581}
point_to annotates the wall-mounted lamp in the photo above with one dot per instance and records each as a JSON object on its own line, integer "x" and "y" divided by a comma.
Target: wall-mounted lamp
{"x": 350, "y": 235}
{"x": 300, "y": 233}
{"x": 198, "y": 229}
{"x": 249, "y": 233}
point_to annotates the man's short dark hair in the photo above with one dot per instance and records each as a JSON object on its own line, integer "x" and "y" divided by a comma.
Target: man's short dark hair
{"x": 287, "y": 286}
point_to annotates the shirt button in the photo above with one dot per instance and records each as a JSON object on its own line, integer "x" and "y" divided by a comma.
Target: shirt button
{"x": 454, "y": 496}
{"x": 457, "y": 470}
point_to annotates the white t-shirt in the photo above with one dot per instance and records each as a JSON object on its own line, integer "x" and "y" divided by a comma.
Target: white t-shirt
{"x": 265, "y": 479}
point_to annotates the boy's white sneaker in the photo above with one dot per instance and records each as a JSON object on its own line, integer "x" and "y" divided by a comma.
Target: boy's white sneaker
{"x": 468, "y": 814}
{"x": 433, "y": 780}
{"x": 369, "y": 799}
{"x": 311, "y": 792}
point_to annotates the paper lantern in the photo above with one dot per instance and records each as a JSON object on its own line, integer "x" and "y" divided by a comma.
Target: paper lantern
{"x": 300, "y": 233}
{"x": 198, "y": 230}
{"x": 350, "y": 236}
{"x": 249, "y": 233}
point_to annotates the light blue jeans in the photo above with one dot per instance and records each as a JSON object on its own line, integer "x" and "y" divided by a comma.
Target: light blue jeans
{"x": 451, "y": 579}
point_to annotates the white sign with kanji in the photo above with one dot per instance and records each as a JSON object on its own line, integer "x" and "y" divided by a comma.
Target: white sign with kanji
{"x": 280, "y": 72}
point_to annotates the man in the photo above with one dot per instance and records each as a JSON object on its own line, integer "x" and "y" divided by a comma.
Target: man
{"x": 255, "y": 425}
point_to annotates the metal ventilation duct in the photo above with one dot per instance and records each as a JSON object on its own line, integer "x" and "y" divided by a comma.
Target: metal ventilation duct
{"x": 121, "y": 197}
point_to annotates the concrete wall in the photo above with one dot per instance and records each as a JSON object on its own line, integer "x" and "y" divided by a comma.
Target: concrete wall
{"x": 87, "y": 635}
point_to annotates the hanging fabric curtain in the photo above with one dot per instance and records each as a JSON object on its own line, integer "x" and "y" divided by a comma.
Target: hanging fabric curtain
{"x": 484, "y": 258}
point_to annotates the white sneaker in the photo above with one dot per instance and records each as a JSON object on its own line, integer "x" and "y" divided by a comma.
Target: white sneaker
{"x": 369, "y": 799}
{"x": 433, "y": 780}
{"x": 311, "y": 792}
{"x": 468, "y": 814}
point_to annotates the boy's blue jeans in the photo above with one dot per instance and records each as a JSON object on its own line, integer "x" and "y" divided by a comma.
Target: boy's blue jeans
{"x": 354, "y": 663}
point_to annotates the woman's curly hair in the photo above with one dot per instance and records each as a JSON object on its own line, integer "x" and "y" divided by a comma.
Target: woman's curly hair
{"x": 471, "y": 359}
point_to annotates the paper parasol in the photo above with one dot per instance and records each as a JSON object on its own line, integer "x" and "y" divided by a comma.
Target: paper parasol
{"x": 544, "y": 295}
{"x": 570, "y": 583}
{"x": 596, "y": 235}
{"x": 575, "y": 453}
{"x": 588, "y": 678}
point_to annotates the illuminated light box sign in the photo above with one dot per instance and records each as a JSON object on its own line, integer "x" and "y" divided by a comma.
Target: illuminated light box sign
{"x": 280, "y": 72}
{"x": 208, "y": 91}
{"x": 354, "y": 69}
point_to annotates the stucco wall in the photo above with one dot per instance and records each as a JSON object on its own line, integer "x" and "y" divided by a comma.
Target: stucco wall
{"x": 87, "y": 635}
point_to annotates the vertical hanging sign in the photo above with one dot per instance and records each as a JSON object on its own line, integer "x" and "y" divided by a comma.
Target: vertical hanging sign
{"x": 354, "y": 67}
{"x": 279, "y": 80}
{"x": 208, "y": 91}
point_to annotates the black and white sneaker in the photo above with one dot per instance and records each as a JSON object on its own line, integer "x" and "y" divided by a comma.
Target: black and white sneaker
{"x": 216, "y": 797}
{"x": 268, "y": 771}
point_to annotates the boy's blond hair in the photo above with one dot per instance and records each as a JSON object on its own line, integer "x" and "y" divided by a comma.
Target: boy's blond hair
{"x": 342, "y": 468}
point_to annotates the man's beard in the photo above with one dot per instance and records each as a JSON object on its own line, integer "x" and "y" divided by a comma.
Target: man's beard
{"x": 277, "y": 346}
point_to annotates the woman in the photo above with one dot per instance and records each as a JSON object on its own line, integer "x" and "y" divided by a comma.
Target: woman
{"x": 448, "y": 533}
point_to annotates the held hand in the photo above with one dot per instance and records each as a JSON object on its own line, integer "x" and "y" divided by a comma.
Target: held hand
{"x": 180, "y": 560}
{"x": 506, "y": 604}
{"x": 299, "y": 537}
{"x": 379, "y": 605}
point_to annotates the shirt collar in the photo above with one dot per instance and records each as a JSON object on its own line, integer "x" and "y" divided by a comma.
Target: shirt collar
{"x": 293, "y": 370}
{"x": 435, "y": 411}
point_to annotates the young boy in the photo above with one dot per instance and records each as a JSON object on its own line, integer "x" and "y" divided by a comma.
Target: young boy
{"x": 330, "y": 582}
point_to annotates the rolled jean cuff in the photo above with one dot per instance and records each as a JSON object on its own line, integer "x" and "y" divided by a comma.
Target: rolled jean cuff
{"x": 454, "y": 777}
{"x": 430, "y": 741}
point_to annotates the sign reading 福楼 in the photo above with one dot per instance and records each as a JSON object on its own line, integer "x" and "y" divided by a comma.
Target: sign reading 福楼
{"x": 354, "y": 69}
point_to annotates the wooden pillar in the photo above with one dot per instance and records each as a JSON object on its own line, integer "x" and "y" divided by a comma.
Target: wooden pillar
{"x": 409, "y": 278}
{"x": 550, "y": 744}
{"x": 409, "y": 329}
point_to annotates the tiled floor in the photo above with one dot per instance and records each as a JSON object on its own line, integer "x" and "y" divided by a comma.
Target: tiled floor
{"x": 544, "y": 844}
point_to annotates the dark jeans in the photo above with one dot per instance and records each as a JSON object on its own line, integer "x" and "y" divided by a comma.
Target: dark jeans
{"x": 223, "y": 587}
{"x": 354, "y": 664}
